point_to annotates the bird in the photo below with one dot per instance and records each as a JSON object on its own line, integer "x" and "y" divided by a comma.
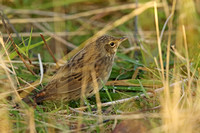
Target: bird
{"x": 90, "y": 68}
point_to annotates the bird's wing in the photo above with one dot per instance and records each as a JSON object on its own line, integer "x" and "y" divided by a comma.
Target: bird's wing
{"x": 68, "y": 80}
{"x": 64, "y": 82}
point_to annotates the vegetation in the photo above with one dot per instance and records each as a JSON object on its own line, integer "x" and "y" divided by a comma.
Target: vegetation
{"x": 154, "y": 85}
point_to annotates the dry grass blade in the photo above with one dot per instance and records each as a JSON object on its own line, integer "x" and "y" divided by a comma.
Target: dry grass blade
{"x": 96, "y": 90}
{"x": 61, "y": 17}
{"x": 5, "y": 86}
{"x": 7, "y": 73}
{"x": 37, "y": 34}
{"x": 187, "y": 57}
{"x": 41, "y": 68}
{"x": 132, "y": 82}
{"x": 60, "y": 39}
{"x": 51, "y": 53}
{"x": 117, "y": 117}
{"x": 159, "y": 41}
{"x": 31, "y": 120}
{"x": 26, "y": 90}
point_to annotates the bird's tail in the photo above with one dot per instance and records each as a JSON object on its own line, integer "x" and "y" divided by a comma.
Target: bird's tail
{"x": 30, "y": 100}
{"x": 35, "y": 98}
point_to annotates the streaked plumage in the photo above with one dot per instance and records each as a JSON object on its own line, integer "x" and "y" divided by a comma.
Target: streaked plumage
{"x": 68, "y": 82}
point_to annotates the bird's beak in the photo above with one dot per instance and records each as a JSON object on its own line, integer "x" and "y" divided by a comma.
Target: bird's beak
{"x": 122, "y": 39}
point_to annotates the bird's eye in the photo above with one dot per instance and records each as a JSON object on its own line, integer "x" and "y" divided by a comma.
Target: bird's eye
{"x": 112, "y": 44}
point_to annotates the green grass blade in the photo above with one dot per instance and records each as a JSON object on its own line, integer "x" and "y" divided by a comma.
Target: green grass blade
{"x": 23, "y": 42}
{"x": 144, "y": 91}
{"x": 20, "y": 50}
{"x": 126, "y": 58}
{"x": 14, "y": 54}
{"x": 29, "y": 42}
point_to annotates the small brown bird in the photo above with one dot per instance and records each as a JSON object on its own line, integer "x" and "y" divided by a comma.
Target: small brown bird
{"x": 89, "y": 68}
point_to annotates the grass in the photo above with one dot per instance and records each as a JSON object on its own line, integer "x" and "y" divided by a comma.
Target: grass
{"x": 153, "y": 87}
